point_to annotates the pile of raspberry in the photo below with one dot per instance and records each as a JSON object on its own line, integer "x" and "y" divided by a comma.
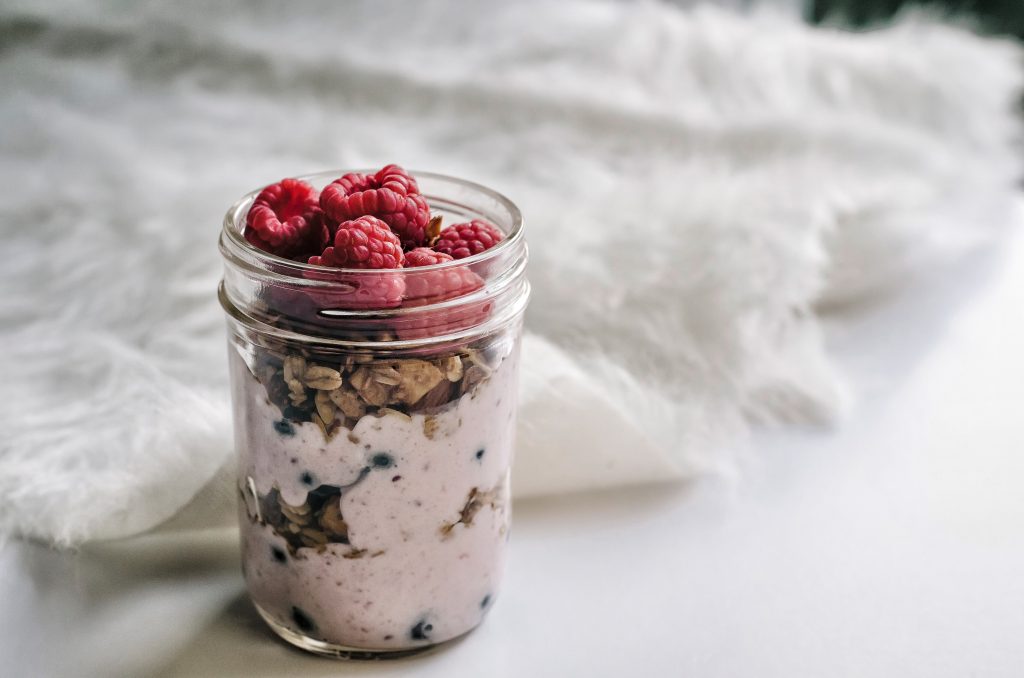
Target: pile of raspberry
{"x": 369, "y": 221}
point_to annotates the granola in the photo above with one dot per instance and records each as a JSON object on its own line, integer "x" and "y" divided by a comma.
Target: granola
{"x": 476, "y": 500}
{"x": 336, "y": 392}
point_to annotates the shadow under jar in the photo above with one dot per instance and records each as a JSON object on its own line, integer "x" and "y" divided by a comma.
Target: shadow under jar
{"x": 374, "y": 445}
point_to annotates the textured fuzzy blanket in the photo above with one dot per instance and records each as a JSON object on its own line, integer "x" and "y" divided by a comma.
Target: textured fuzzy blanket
{"x": 699, "y": 187}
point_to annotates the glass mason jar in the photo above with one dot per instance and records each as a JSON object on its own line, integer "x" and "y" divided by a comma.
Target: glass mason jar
{"x": 374, "y": 444}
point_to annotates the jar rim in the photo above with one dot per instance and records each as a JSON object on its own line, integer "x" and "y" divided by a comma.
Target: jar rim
{"x": 238, "y": 211}
{"x": 240, "y": 316}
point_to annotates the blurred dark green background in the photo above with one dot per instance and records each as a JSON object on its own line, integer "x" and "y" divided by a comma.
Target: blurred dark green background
{"x": 992, "y": 16}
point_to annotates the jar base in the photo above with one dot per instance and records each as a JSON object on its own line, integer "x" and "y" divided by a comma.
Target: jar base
{"x": 325, "y": 649}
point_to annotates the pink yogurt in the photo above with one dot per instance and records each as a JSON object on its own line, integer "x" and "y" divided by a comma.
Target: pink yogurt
{"x": 415, "y": 572}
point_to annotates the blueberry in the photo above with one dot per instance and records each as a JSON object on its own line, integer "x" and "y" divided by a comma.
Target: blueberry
{"x": 306, "y": 478}
{"x": 316, "y": 498}
{"x": 486, "y": 601}
{"x": 284, "y": 427}
{"x": 422, "y": 630}
{"x": 480, "y": 454}
{"x": 382, "y": 460}
{"x": 278, "y": 554}
{"x": 302, "y": 621}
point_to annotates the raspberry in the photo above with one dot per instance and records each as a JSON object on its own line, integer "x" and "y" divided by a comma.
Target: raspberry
{"x": 391, "y": 195}
{"x": 465, "y": 240}
{"x": 288, "y": 198}
{"x": 424, "y": 256}
{"x": 431, "y": 287}
{"x": 283, "y": 220}
{"x": 353, "y": 183}
{"x": 397, "y": 179}
{"x": 365, "y": 290}
{"x": 366, "y": 242}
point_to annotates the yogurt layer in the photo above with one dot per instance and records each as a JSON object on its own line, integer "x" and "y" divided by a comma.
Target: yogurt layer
{"x": 388, "y": 535}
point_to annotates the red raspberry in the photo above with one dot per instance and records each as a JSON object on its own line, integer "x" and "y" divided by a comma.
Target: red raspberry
{"x": 288, "y": 198}
{"x": 284, "y": 220}
{"x": 364, "y": 290}
{"x": 366, "y": 242}
{"x": 353, "y": 183}
{"x": 390, "y": 195}
{"x": 431, "y": 287}
{"x": 397, "y": 179}
{"x": 424, "y": 256}
{"x": 465, "y": 240}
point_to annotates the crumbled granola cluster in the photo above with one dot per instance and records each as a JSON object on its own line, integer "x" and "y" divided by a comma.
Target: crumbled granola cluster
{"x": 475, "y": 501}
{"x": 335, "y": 394}
{"x": 318, "y": 521}
{"x": 313, "y": 524}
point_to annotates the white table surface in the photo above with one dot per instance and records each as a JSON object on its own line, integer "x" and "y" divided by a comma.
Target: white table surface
{"x": 893, "y": 546}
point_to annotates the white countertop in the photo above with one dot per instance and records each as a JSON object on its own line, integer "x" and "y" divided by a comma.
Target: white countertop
{"x": 893, "y": 546}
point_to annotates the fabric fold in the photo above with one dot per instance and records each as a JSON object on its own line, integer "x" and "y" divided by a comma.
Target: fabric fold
{"x": 700, "y": 188}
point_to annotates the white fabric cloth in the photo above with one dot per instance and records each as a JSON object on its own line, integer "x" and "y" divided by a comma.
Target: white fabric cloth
{"x": 698, "y": 185}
